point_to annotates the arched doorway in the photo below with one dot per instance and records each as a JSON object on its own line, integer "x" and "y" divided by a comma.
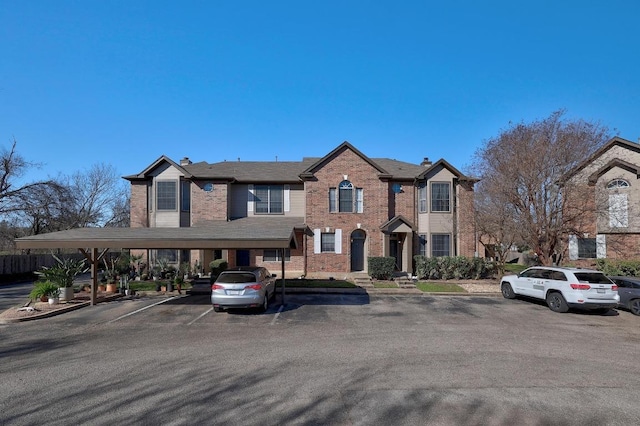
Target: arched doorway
{"x": 358, "y": 238}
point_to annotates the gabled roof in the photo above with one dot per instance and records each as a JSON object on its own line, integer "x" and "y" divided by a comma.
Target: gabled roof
{"x": 392, "y": 224}
{"x": 616, "y": 162}
{"x": 444, "y": 164}
{"x": 163, "y": 159}
{"x": 615, "y": 141}
{"x": 309, "y": 172}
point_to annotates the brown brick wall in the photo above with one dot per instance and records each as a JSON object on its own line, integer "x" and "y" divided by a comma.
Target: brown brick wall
{"x": 466, "y": 220}
{"x": 376, "y": 209}
{"x": 208, "y": 205}
{"x": 138, "y": 205}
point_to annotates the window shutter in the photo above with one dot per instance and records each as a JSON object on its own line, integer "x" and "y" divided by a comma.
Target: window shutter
{"x": 250, "y": 199}
{"x": 573, "y": 247}
{"x": 338, "y": 236}
{"x": 601, "y": 246}
{"x": 287, "y": 198}
{"x": 316, "y": 241}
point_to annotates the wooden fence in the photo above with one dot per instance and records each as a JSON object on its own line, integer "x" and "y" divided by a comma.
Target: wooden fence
{"x": 25, "y": 263}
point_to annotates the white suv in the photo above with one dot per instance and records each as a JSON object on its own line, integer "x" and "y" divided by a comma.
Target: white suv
{"x": 563, "y": 288}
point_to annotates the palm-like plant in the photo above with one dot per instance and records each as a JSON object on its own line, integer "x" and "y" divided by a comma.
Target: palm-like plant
{"x": 64, "y": 272}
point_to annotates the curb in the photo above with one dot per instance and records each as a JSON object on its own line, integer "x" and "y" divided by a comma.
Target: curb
{"x": 60, "y": 311}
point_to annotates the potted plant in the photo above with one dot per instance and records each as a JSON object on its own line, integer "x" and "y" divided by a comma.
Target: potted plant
{"x": 45, "y": 291}
{"x": 63, "y": 274}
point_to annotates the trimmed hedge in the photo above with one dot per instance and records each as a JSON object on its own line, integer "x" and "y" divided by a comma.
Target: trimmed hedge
{"x": 216, "y": 267}
{"x": 452, "y": 267}
{"x": 381, "y": 268}
{"x": 626, "y": 268}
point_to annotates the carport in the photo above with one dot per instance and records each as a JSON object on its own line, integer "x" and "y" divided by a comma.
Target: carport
{"x": 240, "y": 234}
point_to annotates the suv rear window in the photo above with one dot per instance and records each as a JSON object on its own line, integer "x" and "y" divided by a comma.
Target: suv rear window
{"x": 236, "y": 278}
{"x": 592, "y": 278}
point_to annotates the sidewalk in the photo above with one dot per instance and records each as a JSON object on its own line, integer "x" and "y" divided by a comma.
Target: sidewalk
{"x": 38, "y": 310}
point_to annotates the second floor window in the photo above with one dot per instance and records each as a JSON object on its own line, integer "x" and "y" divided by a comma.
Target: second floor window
{"x": 422, "y": 197}
{"x": 346, "y": 198}
{"x": 269, "y": 199}
{"x": 166, "y": 195}
{"x": 185, "y": 195}
{"x": 440, "y": 197}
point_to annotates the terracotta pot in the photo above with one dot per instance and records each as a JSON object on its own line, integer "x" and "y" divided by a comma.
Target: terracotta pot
{"x": 101, "y": 287}
{"x": 112, "y": 288}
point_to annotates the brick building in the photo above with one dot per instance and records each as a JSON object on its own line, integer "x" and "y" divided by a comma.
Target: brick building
{"x": 604, "y": 192}
{"x": 342, "y": 208}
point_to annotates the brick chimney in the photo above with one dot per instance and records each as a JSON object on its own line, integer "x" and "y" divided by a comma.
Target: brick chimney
{"x": 185, "y": 161}
{"x": 426, "y": 162}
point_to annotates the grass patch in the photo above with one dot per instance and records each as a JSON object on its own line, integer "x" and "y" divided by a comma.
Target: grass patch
{"x": 513, "y": 268}
{"x": 151, "y": 285}
{"x": 428, "y": 287}
{"x": 307, "y": 283}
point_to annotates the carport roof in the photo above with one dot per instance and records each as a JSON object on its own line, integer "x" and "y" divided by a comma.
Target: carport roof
{"x": 245, "y": 233}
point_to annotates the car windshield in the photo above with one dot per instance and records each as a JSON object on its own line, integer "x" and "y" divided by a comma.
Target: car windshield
{"x": 236, "y": 278}
{"x": 592, "y": 278}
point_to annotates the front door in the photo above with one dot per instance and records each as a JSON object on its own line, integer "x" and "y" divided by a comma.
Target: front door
{"x": 242, "y": 258}
{"x": 357, "y": 250}
{"x": 395, "y": 250}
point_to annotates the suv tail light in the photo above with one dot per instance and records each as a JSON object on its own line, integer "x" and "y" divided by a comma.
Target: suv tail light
{"x": 614, "y": 288}
{"x": 580, "y": 286}
{"x": 216, "y": 287}
{"x": 253, "y": 286}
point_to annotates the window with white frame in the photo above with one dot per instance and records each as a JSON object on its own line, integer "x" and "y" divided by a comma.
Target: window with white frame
{"x": 618, "y": 203}
{"x": 275, "y": 255}
{"x": 166, "y": 195}
{"x": 586, "y": 248}
{"x": 346, "y": 198}
{"x": 269, "y": 199}
{"x": 440, "y": 245}
{"x": 440, "y": 197}
{"x": 422, "y": 197}
{"x": 328, "y": 242}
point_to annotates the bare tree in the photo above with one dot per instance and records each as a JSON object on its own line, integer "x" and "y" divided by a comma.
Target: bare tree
{"x": 520, "y": 170}
{"x": 97, "y": 197}
{"x": 13, "y": 167}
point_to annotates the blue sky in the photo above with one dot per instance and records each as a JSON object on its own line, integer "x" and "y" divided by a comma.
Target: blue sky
{"x": 124, "y": 82}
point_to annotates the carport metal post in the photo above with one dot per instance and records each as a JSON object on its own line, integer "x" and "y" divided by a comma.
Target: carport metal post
{"x": 282, "y": 263}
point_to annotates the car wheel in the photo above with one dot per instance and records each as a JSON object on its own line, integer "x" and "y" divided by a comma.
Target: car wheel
{"x": 634, "y": 306}
{"x": 507, "y": 291}
{"x": 217, "y": 309}
{"x": 265, "y": 303}
{"x": 556, "y": 302}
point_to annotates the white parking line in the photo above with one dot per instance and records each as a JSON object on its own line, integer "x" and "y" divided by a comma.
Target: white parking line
{"x": 275, "y": 318}
{"x": 201, "y": 315}
{"x": 142, "y": 309}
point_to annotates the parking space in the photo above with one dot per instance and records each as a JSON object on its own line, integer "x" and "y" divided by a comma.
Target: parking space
{"x": 314, "y": 309}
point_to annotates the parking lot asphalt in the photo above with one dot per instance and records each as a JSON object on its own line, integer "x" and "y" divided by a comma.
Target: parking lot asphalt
{"x": 44, "y": 310}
